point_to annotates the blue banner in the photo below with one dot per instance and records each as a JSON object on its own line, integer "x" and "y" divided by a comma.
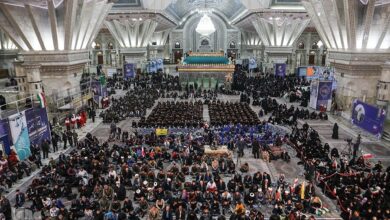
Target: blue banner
{"x": 152, "y": 67}
{"x": 38, "y": 125}
{"x": 129, "y": 70}
{"x": 252, "y": 63}
{"x": 368, "y": 117}
{"x": 98, "y": 90}
{"x": 280, "y": 69}
{"x": 324, "y": 94}
{"x": 5, "y": 136}
{"x": 160, "y": 64}
{"x": 20, "y": 137}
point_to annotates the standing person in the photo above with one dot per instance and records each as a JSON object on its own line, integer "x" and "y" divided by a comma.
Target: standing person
{"x": 256, "y": 149}
{"x": 67, "y": 124}
{"x": 335, "y": 134}
{"x": 241, "y": 146}
{"x": 78, "y": 121}
{"x": 19, "y": 199}
{"x": 356, "y": 146}
{"x": 70, "y": 138}
{"x": 93, "y": 115}
{"x": 45, "y": 148}
{"x": 5, "y": 207}
{"x": 65, "y": 139}
{"x": 73, "y": 121}
{"x": 113, "y": 130}
{"x": 75, "y": 138}
{"x": 54, "y": 141}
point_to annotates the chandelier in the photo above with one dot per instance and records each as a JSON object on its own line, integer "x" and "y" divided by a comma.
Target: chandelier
{"x": 205, "y": 26}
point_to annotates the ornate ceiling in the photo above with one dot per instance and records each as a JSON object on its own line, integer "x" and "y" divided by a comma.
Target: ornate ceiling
{"x": 179, "y": 8}
{"x": 71, "y": 25}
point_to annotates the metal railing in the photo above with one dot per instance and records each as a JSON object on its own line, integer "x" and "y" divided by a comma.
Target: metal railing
{"x": 17, "y": 106}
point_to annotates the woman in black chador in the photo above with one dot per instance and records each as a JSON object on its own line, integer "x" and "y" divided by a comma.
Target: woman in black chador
{"x": 335, "y": 134}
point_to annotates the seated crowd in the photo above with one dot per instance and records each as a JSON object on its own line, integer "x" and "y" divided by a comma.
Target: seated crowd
{"x": 175, "y": 114}
{"x": 280, "y": 114}
{"x": 360, "y": 189}
{"x": 133, "y": 104}
{"x": 171, "y": 178}
{"x": 140, "y": 175}
{"x": 222, "y": 113}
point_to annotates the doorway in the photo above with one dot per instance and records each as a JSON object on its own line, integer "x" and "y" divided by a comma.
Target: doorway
{"x": 177, "y": 55}
{"x": 311, "y": 59}
{"x": 100, "y": 59}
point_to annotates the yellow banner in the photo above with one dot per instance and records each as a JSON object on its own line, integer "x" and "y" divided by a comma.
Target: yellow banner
{"x": 161, "y": 131}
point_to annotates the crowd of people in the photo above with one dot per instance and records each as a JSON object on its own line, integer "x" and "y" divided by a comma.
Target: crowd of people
{"x": 222, "y": 113}
{"x": 360, "y": 188}
{"x": 132, "y": 105}
{"x": 142, "y": 175}
{"x": 174, "y": 114}
{"x": 134, "y": 178}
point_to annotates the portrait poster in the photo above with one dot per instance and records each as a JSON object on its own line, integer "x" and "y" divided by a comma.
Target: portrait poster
{"x": 368, "y": 117}
{"x": 280, "y": 69}
{"x": 20, "y": 137}
{"x": 38, "y": 125}
{"x": 5, "y": 136}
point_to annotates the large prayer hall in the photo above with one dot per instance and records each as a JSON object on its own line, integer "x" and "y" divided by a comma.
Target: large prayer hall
{"x": 194, "y": 109}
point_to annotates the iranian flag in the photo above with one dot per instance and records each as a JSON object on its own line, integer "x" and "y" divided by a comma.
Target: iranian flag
{"x": 41, "y": 99}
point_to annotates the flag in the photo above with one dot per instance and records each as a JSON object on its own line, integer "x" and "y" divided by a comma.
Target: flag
{"x": 102, "y": 80}
{"x": 41, "y": 99}
{"x": 303, "y": 190}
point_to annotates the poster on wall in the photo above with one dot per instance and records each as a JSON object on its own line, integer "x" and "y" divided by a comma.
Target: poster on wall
{"x": 129, "y": 70}
{"x": 5, "y": 136}
{"x": 280, "y": 69}
{"x": 368, "y": 117}
{"x": 98, "y": 90}
{"x": 324, "y": 94}
{"x": 20, "y": 137}
{"x": 38, "y": 125}
{"x": 160, "y": 64}
{"x": 252, "y": 64}
{"x": 152, "y": 67}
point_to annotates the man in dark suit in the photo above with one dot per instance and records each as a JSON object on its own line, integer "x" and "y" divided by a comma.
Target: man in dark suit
{"x": 180, "y": 213}
{"x": 19, "y": 199}
{"x": 167, "y": 214}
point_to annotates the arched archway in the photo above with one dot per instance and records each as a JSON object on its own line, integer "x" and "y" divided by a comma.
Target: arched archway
{"x": 217, "y": 40}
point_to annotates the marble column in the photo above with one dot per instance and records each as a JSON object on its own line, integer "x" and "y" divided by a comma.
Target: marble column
{"x": 383, "y": 86}
{"x": 33, "y": 77}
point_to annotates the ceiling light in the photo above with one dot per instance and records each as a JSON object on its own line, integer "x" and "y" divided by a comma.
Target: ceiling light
{"x": 205, "y": 26}
{"x": 140, "y": 19}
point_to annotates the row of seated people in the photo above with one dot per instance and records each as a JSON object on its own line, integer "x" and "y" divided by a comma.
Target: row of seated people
{"x": 222, "y": 113}
{"x": 178, "y": 114}
{"x": 133, "y": 104}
